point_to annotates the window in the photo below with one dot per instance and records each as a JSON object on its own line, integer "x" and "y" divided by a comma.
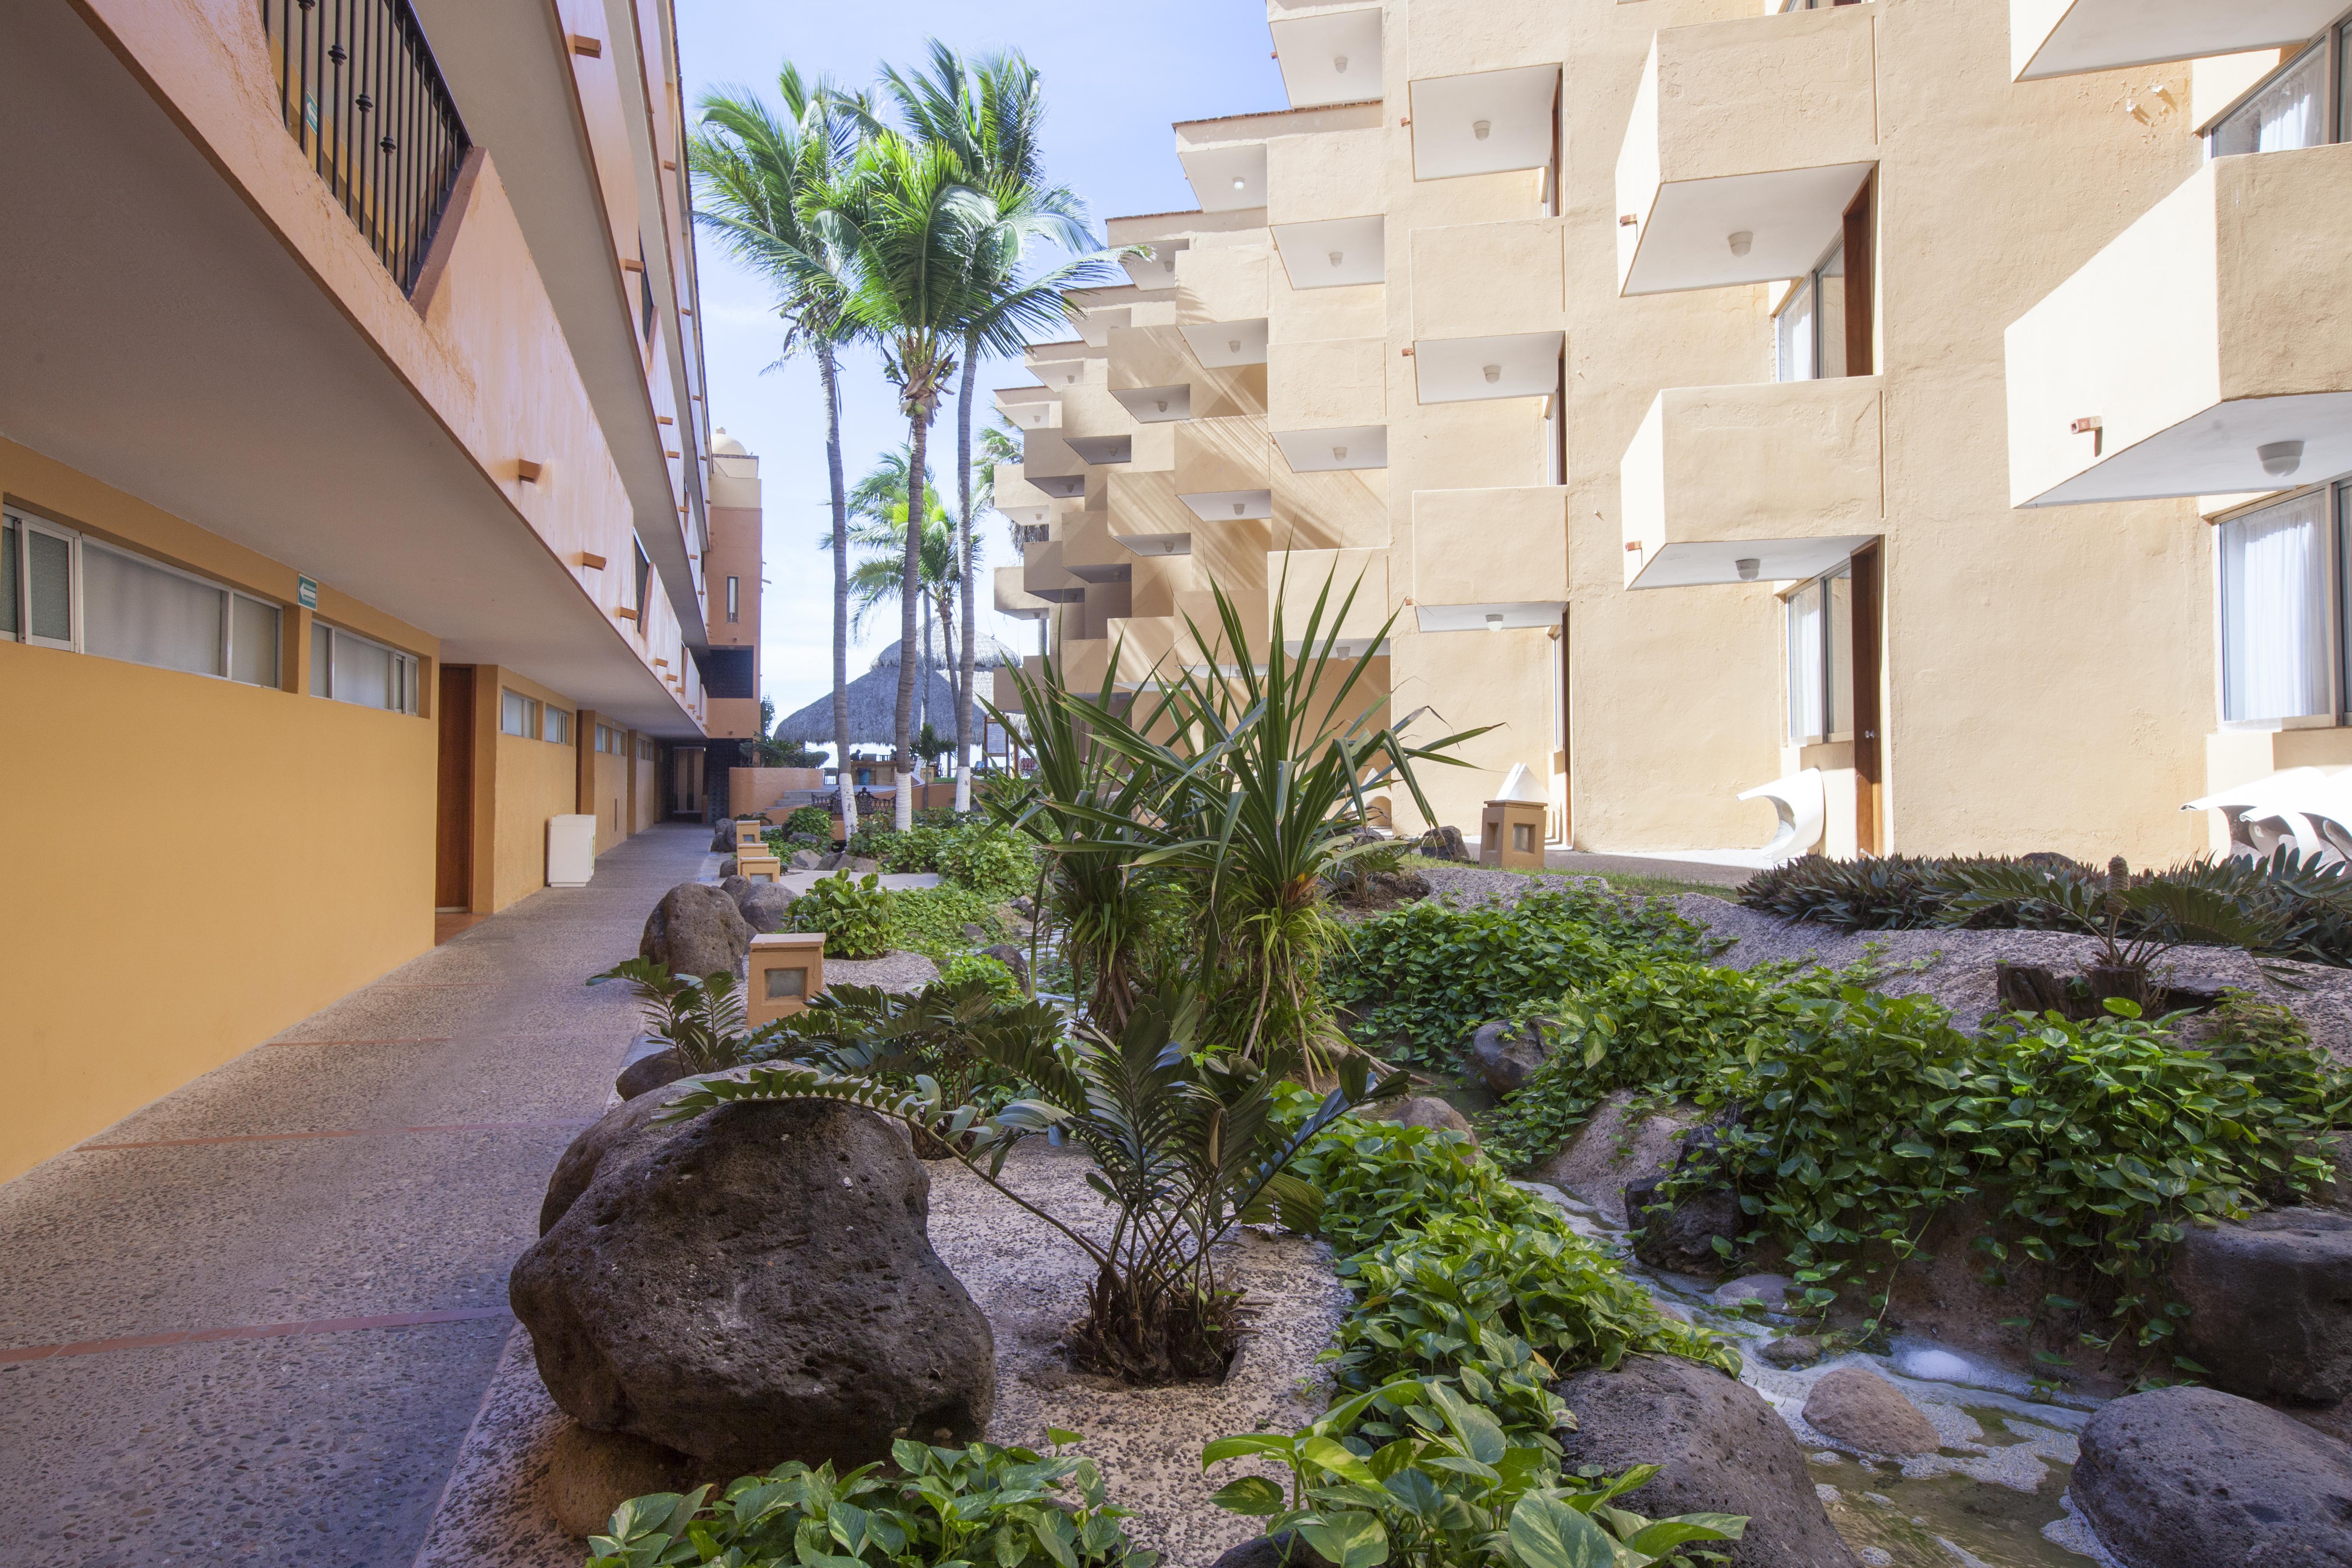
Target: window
{"x": 1821, "y": 659}
{"x": 731, "y": 603}
{"x": 517, "y": 715}
{"x": 559, "y": 727}
{"x": 607, "y": 742}
{"x": 347, "y": 668}
{"x": 2303, "y": 103}
{"x": 644, "y": 581}
{"x": 645, "y": 750}
{"x": 2276, "y": 635}
{"x": 64, "y": 591}
{"x": 1808, "y": 332}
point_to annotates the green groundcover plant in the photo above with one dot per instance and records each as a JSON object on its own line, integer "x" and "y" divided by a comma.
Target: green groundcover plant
{"x": 1012, "y": 1508}
{"x": 930, "y": 921}
{"x": 2090, "y": 1145}
{"x": 854, "y": 913}
{"x": 1420, "y": 979}
{"x": 812, "y": 819}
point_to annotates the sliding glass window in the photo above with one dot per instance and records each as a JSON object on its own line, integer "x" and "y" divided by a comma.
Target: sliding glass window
{"x": 2303, "y": 103}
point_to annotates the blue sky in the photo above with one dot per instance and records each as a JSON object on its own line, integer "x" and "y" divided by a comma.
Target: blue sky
{"x": 1116, "y": 75}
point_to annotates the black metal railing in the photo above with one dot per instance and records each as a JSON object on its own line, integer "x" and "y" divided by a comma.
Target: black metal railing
{"x": 361, "y": 93}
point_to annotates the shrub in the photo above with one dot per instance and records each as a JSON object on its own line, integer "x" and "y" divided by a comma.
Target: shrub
{"x": 1659, "y": 1025}
{"x": 993, "y": 973}
{"x": 1887, "y": 892}
{"x": 701, "y": 1020}
{"x": 1011, "y": 1506}
{"x": 1423, "y": 977}
{"x": 930, "y": 921}
{"x": 854, "y": 914}
{"x": 2093, "y": 1142}
{"x": 809, "y": 819}
{"x": 970, "y": 853}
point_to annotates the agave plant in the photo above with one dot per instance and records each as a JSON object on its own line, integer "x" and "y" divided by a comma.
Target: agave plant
{"x": 701, "y": 1020}
{"x": 1186, "y": 1145}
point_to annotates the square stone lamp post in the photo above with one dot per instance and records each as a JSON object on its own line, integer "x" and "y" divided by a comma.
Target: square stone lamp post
{"x": 786, "y": 968}
{"x": 1511, "y": 828}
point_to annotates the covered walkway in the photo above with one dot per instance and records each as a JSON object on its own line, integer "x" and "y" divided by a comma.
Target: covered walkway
{"x": 252, "y": 1322}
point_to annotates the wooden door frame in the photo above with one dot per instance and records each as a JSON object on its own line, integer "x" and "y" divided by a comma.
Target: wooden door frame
{"x": 453, "y": 809}
{"x": 1868, "y": 652}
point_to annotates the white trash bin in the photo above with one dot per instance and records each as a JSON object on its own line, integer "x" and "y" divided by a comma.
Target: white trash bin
{"x": 571, "y": 850}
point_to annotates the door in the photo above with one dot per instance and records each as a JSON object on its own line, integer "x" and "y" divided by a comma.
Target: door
{"x": 1869, "y": 723}
{"x": 453, "y": 811}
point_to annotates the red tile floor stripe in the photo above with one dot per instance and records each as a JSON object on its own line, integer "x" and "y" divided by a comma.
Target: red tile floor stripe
{"x": 250, "y": 1331}
{"x": 331, "y": 1132}
{"x": 412, "y": 1040}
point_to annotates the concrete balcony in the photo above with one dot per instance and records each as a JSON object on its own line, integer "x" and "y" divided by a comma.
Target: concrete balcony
{"x": 1029, "y": 408}
{"x": 1070, "y": 363}
{"x": 1225, "y": 158}
{"x": 1488, "y": 279}
{"x": 1485, "y": 123}
{"x": 1489, "y": 560}
{"x": 1014, "y": 599}
{"x": 1328, "y": 56}
{"x": 1748, "y": 141}
{"x": 2201, "y": 353}
{"x": 1333, "y": 253}
{"x": 1042, "y": 576}
{"x": 2061, "y": 37}
{"x": 1767, "y": 483}
{"x": 1327, "y": 175}
{"x": 1151, "y": 366}
{"x": 1479, "y": 370}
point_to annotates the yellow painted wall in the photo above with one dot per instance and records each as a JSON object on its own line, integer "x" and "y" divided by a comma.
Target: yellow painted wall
{"x": 533, "y": 780}
{"x": 292, "y": 861}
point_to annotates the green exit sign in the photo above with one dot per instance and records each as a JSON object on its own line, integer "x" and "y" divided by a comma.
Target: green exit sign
{"x": 306, "y": 593}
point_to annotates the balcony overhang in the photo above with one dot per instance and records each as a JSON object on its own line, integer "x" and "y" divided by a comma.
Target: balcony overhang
{"x": 1155, "y": 404}
{"x": 1230, "y": 506}
{"x": 1332, "y": 57}
{"x": 1016, "y": 600}
{"x": 1222, "y": 345}
{"x": 1097, "y": 450}
{"x": 1101, "y": 574}
{"x": 1157, "y": 268}
{"x": 1485, "y": 122}
{"x": 1472, "y": 370}
{"x": 2064, "y": 37}
{"x": 1702, "y": 563}
{"x": 1748, "y": 141}
{"x": 2195, "y": 341}
{"x": 1225, "y": 178}
{"x": 1334, "y": 253}
{"x": 1501, "y": 615}
{"x": 1156, "y": 544}
{"x": 1061, "y": 487}
{"x": 1029, "y": 408}
{"x": 1751, "y": 464}
{"x": 1097, "y": 323}
{"x": 1329, "y": 451}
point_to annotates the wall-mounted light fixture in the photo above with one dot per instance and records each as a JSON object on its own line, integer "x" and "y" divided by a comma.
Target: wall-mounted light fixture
{"x": 1233, "y": 345}
{"x": 1494, "y": 374}
{"x": 1494, "y": 620}
{"x": 1481, "y": 129}
{"x": 1240, "y": 507}
{"x": 1339, "y": 64}
{"x": 1742, "y": 242}
{"x": 1337, "y": 256}
{"x": 1747, "y": 566}
{"x": 1240, "y": 184}
{"x": 1338, "y": 454}
{"x": 2279, "y": 458}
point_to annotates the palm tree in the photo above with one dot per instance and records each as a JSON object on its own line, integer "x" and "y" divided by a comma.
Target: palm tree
{"x": 989, "y": 112}
{"x": 764, "y": 182}
{"x": 877, "y": 506}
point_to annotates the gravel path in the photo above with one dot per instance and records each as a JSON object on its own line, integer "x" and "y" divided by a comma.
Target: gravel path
{"x": 270, "y": 1396}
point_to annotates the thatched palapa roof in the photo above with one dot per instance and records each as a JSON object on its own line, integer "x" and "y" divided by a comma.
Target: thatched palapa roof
{"x": 873, "y": 699}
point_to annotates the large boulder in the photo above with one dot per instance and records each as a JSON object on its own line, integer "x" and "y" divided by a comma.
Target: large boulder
{"x": 1504, "y": 1057}
{"x": 758, "y": 1287}
{"x": 804, "y": 860}
{"x": 1445, "y": 844}
{"x": 2270, "y": 1302}
{"x": 1684, "y": 1235}
{"x": 1421, "y": 1111}
{"x": 764, "y": 906}
{"x": 654, "y": 1070}
{"x": 1855, "y": 1407}
{"x": 1280, "y": 1551}
{"x": 1720, "y": 1448}
{"x": 1618, "y": 1145}
{"x": 696, "y": 929}
{"x": 1014, "y": 957}
{"x": 2194, "y": 1477}
{"x": 723, "y": 838}
{"x": 628, "y": 1126}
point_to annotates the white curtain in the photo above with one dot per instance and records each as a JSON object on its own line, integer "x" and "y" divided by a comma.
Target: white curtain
{"x": 1806, "y": 720}
{"x": 1793, "y": 336}
{"x": 2274, "y": 611}
{"x": 141, "y": 612}
{"x": 2286, "y": 115}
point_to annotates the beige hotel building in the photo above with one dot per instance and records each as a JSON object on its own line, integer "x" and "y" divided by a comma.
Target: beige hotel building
{"x": 1934, "y": 406}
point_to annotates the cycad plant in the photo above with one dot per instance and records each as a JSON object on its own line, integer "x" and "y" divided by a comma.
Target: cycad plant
{"x": 701, "y": 1020}
{"x": 1186, "y": 1145}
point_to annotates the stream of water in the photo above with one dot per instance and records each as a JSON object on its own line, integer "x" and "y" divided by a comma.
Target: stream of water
{"x": 1992, "y": 1498}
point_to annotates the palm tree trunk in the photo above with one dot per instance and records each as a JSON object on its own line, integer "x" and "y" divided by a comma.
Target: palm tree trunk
{"x": 843, "y": 777}
{"x": 909, "y": 594}
{"x": 964, "y": 562}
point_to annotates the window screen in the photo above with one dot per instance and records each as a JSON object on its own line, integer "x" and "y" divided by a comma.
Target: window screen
{"x": 145, "y": 615}
{"x": 252, "y": 641}
{"x": 2274, "y": 611}
{"x": 10, "y": 542}
{"x": 48, "y": 586}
